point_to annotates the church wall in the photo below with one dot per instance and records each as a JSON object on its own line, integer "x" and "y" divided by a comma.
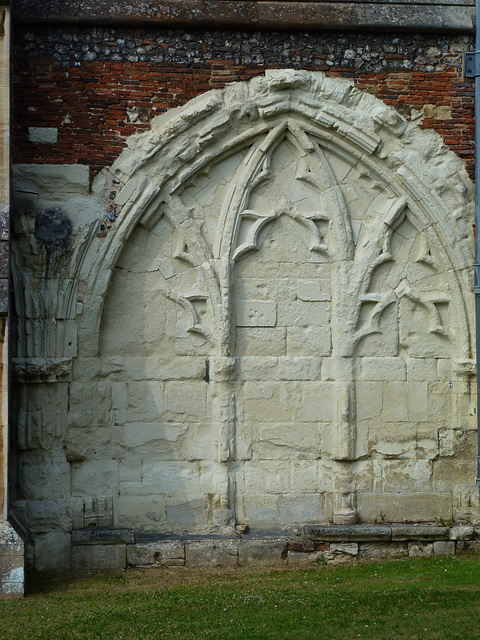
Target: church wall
{"x": 89, "y": 89}
{"x": 11, "y": 545}
{"x": 131, "y": 417}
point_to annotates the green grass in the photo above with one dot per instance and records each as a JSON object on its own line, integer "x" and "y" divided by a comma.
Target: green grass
{"x": 434, "y": 598}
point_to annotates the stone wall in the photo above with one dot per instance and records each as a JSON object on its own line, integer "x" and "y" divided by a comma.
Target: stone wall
{"x": 11, "y": 546}
{"x": 254, "y": 309}
{"x": 86, "y": 90}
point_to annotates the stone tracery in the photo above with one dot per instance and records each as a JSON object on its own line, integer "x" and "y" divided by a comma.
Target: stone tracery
{"x": 319, "y": 176}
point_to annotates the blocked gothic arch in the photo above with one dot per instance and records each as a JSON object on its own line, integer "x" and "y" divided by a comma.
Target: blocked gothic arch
{"x": 414, "y": 166}
{"x": 330, "y": 129}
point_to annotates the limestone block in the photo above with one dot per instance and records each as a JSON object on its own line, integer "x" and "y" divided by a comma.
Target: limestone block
{"x": 185, "y": 400}
{"x": 160, "y": 437}
{"x": 43, "y": 135}
{"x": 418, "y": 533}
{"x": 426, "y": 507}
{"x": 267, "y": 476}
{"x": 299, "y": 558}
{"x": 300, "y": 507}
{"x": 350, "y": 548}
{"x": 288, "y": 441}
{"x": 395, "y": 401}
{"x": 221, "y": 553}
{"x": 174, "y": 478}
{"x": 439, "y": 402}
{"x": 53, "y": 551}
{"x": 304, "y": 476}
{"x": 369, "y": 399}
{"x": 44, "y": 515}
{"x": 88, "y": 442}
{"x": 147, "y": 512}
{"x": 417, "y": 401}
{"x": 373, "y": 551}
{"x": 467, "y": 546}
{"x": 347, "y": 533}
{"x": 45, "y": 475}
{"x": 261, "y": 341}
{"x": 292, "y": 368}
{"x": 384, "y": 369}
{"x": 262, "y": 552}
{"x": 52, "y": 179}
{"x": 91, "y": 476}
{"x": 309, "y": 341}
{"x": 270, "y": 401}
{"x": 169, "y": 554}
{"x": 255, "y": 313}
{"x": 188, "y": 514}
{"x": 318, "y": 401}
{"x": 394, "y": 439}
{"x": 298, "y": 313}
{"x": 130, "y": 471}
{"x": 422, "y": 369}
{"x": 410, "y": 475}
{"x": 145, "y": 400}
{"x": 444, "y": 369}
{"x": 461, "y": 532}
{"x": 313, "y": 290}
{"x": 444, "y": 548}
{"x": 97, "y": 411}
{"x": 254, "y": 368}
{"x": 338, "y": 368}
{"x": 99, "y": 557}
{"x": 103, "y": 535}
{"x": 420, "y": 550}
{"x": 261, "y": 509}
{"x": 370, "y": 506}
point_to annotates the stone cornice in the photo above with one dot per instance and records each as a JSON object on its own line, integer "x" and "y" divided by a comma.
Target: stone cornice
{"x": 434, "y": 16}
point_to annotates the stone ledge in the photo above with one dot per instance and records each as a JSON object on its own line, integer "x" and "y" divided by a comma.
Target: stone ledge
{"x": 103, "y": 536}
{"x": 342, "y": 533}
{"x": 380, "y": 532}
{"x": 273, "y": 14}
{"x": 114, "y": 548}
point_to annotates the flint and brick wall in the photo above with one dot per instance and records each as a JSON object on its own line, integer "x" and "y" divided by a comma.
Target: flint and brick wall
{"x": 79, "y": 93}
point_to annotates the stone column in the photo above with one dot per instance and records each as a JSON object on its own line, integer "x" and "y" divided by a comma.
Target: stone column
{"x": 11, "y": 545}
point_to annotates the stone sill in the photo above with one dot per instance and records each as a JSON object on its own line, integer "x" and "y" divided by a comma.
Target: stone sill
{"x": 383, "y": 15}
{"x": 113, "y": 549}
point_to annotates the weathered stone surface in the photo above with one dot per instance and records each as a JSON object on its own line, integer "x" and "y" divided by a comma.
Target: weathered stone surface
{"x": 261, "y": 14}
{"x": 99, "y": 557}
{"x": 12, "y": 580}
{"x": 170, "y": 554}
{"x": 342, "y": 533}
{"x": 411, "y": 532}
{"x": 350, "y": 548}
{"x": 258, "y": 552}
{"x": 43, "y": 135}
{"x": 57, "y": 180}
{"x": 53, "y": 551}
{"x": 460, "y": 532}
{"x": 103, "y": 535}
{"x": 222, "y": 553}
{"x": 420, "y": 549}
{"x": 444, "y": 548}
{"x": 382, "y": 550}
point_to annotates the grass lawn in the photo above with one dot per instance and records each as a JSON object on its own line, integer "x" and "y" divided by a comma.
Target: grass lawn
{"x": 431, "y": 598}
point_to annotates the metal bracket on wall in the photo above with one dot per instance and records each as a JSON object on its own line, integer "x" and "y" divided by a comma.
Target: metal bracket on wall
{"x": 471, "y": 64}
